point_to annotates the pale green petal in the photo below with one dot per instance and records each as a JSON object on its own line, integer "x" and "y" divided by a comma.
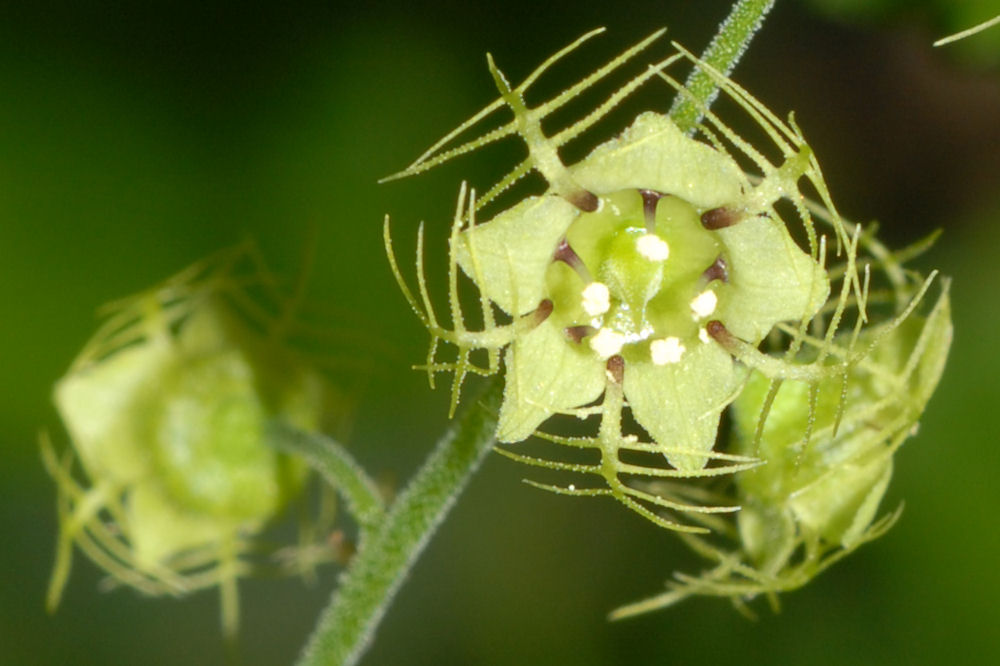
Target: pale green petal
{"x": 653, "y": 154}
{"x": 97, "y": 405}
{"x": 771, "y": 279}
{"x": 508, "y": 255}
{"x": 159, "y": 530}
{"x": 545, "y": 373}
{"x": 679, "y": 404}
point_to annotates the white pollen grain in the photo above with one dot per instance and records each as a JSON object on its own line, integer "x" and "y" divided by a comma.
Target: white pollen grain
{"x": 652, "y": 247}
{"x": 704, "y": 304}
{"x": 607, "y": 343}
{"x": 596, "y": 299}
{"x": 668, "y": 350}
{"x": 704, "y": 336}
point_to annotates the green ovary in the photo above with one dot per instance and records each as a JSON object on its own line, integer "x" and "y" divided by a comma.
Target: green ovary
{"x": 627, "y": 282}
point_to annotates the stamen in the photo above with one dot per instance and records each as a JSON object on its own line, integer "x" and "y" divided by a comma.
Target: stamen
{"x": 649, "y": 199}
{"x": 652, "y": 247}
{"x": 704, "y": 304}
{"x": 584, "y": 200}
{"x": 717, "y": 271}
{"x": 532, "y": 320}
{"x": 578, "y": 333}
{"x": 720, "y": 218}
{"x": 565, "y": 254}
{"x": 543, "y": 311}
{"x": 668, "y": 350}
{"x": 615, "y": 369}
{"x": 607, "y": 342}
{"x": 596, "y": 299}
{"x": 718, "y": 330}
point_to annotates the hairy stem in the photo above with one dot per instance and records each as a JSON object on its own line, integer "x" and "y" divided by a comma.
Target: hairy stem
{"x": 335, "y": 465}
{"x": 347, "y": 625}
{"x": 724, "y": 51}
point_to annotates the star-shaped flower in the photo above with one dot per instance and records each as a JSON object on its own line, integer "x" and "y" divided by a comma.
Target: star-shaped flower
{"x": 642, "y": 281}
{"x": 672, "y": 245}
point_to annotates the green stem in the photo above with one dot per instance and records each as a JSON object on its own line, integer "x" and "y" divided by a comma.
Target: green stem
{"x": 336, "y": 466}
{"x": 724, "y": 51}
{"x": 347, "y": 625}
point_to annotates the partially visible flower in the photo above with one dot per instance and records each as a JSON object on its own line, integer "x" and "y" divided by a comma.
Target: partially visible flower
{"x": 829, "y": 453}
{"x": 166, "y": 410}
{"x": 829, "y": 445}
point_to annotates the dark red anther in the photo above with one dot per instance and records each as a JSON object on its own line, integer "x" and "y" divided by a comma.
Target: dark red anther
{"x": 649, "y": 199}
{"x": 578, "y": 333}
{"x": 584, "y": 200}
{"x": 565, "y": 254}
{"x": 720, "y": 218}
{"x": 616, "y": 368}
{"x": 717, "y": 271}
{"x": 718, "y": 330}
{"x": 543, "y": 311}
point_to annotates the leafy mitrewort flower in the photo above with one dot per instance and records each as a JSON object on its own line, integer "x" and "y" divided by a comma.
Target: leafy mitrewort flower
{"x": 166, "y": 408}
{"x": 660, "y": 274}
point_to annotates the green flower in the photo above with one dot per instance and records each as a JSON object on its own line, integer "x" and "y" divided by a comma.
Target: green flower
{"x": 166, "y": 410}
{"x": 643, "y": 279}
{"x": 647, "y": 275}
{"x": 830, "y": 445}
{"x": 656, "y": 283}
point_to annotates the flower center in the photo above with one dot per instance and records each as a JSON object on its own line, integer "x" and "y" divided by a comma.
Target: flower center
{"x": 639, "y": 276}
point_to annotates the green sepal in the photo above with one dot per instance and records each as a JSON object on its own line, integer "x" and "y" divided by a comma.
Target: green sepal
{"x": 841, "y": 504}
{"x": 206, "y": 435}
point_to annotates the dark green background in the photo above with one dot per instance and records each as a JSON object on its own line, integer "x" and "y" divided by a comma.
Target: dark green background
{"x": 137, "y": 137}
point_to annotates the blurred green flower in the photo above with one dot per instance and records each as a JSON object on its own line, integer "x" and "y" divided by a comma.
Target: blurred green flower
{"x": 166, "y": 410}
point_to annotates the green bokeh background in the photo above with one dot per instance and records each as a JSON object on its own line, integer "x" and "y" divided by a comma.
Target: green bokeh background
{"x": 137, "y": 137}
